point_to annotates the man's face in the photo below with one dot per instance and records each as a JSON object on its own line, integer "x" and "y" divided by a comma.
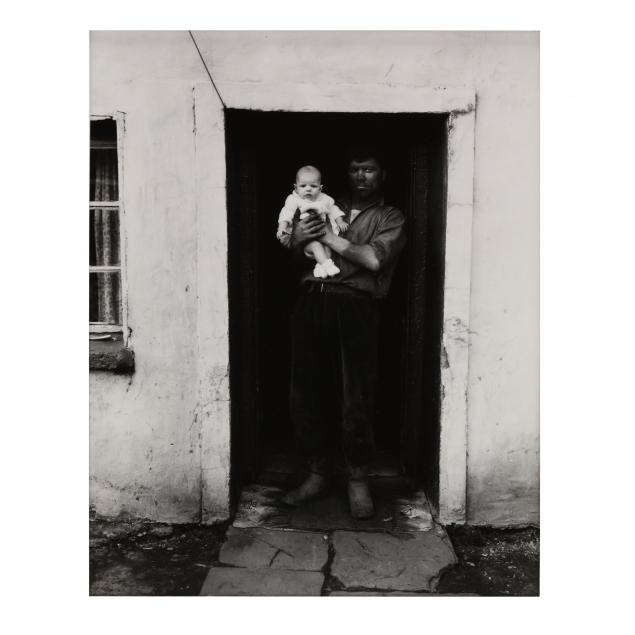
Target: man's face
{"x": 366, "y": 177}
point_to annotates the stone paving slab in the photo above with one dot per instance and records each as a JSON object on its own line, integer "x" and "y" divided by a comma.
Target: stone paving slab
{"x": 272, "y": 548}
{"x": 398, "y": 508}
{"x": 261, "y": 582}
{"x": 399, "y": 594}
{"x": 375, "y": 593}
{"x": 390, "y": 562}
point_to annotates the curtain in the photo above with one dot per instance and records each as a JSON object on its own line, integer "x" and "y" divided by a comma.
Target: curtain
{"x": 105, "y": 286}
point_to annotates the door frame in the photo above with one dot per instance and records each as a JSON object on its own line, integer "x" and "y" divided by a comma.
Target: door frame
{"x": 213, "y": 410}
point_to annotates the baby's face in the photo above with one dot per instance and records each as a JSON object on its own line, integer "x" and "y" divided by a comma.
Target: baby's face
{"x": 308, "y": 186}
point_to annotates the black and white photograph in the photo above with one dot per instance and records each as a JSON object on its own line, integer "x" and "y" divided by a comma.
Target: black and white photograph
{"x": 314, "y": 313}
{"x": 358, "y": 297}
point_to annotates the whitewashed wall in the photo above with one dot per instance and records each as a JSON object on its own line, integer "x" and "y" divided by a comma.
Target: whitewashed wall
{"x": 160, "y": 441}
{"x": 146, "y": 431}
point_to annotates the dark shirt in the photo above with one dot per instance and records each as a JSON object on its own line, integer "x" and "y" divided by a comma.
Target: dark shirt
{"x": 383, "y": 228}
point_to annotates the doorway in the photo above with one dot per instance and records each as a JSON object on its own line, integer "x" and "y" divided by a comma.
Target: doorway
{"x": 264, "y": 150}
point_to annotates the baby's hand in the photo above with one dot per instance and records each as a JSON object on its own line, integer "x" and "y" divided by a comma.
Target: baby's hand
{"x": 286, "y": 240}
{"x": 283, "y": 230}
{"x": 284, "y": 236}
{"x": 343, "y": 225}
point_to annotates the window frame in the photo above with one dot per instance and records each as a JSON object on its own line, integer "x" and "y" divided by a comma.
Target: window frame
{"x": 99, "y": 327}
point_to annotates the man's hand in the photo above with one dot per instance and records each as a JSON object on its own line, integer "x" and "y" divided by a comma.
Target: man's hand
{"x": 307, "y": 229}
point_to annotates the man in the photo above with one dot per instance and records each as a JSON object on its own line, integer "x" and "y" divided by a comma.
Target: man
{"x": 335, "y": 332}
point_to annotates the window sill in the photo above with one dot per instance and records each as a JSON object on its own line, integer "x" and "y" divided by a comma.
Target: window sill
{"x": 111, "y": 355}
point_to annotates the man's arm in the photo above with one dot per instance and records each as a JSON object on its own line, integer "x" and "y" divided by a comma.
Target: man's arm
{"x": 362, "y": 255}
{"x": 382, "y": 249}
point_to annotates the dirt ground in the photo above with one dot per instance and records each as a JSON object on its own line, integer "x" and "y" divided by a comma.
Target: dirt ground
{"x": 141, "y": 558}
{"x": 493, "y": 561}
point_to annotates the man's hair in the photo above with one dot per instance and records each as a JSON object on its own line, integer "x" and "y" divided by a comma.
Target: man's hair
{"x": 365, "y": 152}
{"x": 308, "y": 168}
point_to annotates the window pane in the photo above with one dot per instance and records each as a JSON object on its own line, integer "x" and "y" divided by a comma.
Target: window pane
{"x": 103, "y": 174}
{"x": 105, "y": 297}
{"x": 104, "y": 237}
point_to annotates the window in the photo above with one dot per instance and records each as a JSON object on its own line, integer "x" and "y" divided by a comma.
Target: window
{"x": 109, "y": 342}
{"x": 105, "y": 286}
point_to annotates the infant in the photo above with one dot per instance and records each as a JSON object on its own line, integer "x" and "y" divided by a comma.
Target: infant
{"x": 307, "y": 196}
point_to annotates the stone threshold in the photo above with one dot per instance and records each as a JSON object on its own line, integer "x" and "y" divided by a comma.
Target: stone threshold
{"x": 319, "y": 550}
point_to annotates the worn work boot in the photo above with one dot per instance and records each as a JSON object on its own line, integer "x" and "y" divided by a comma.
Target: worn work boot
{"x": 315, "y": 486}
{"x": 359, "y": 497}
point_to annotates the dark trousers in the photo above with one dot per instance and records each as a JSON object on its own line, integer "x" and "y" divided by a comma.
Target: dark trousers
{"x": 334, "y": 373}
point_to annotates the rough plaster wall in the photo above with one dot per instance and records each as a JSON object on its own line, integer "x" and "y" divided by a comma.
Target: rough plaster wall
{"x": 503, "y": 462}
{"x": 390, "y": 58}
{"x": 145, "y": 450}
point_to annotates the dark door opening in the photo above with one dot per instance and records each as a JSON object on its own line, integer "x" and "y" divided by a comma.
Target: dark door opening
{"x": 264, "y": 150}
